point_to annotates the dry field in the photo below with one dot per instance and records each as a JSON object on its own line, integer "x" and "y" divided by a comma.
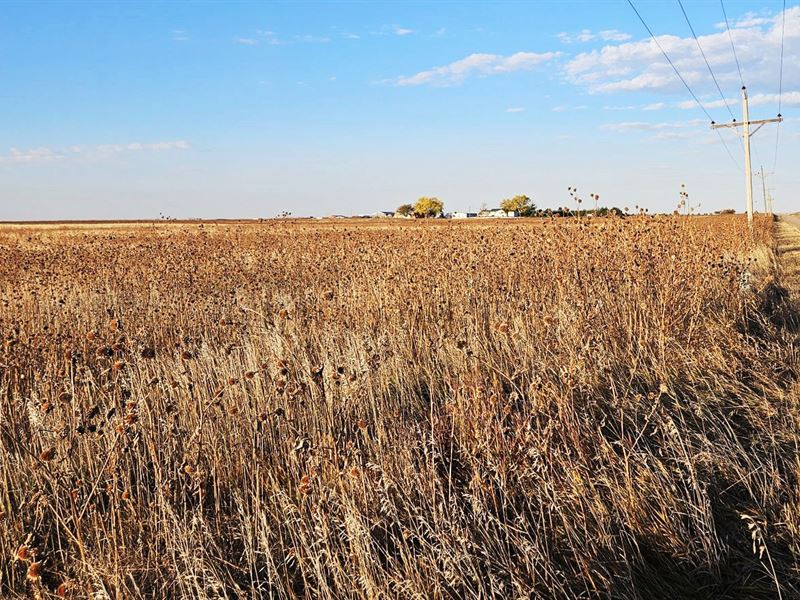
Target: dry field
{"x": 552, "y": 409}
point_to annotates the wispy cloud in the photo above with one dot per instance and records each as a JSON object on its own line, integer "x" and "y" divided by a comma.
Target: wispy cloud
{"x": 653, "y": 106}
{"x": 268, "y": 37}
{"x": 515, "y": 109}
{"x": 245, "y": 41}
{"x": 587, "y": 35}
{"x": 344, "y": 33}
{"x": 140, "y": 147}
{"x": 565, "y": 108}
{"x": 626, "y": 126}
{"x": 393, "y": 30}
{"x": 33, "y": 155}
{"x": 787, "y": 99}
{"x": 45, "y": 155}
{"x": 695, "y": 129}
{"x": 180, "y": 35}
{"x": 749, "y": 19}
{"x": 312, "y": 39}
{"x": 481, "y": 65}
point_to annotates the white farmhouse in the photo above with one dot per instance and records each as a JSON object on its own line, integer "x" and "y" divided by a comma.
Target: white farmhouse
{"x": 497, "y": 213}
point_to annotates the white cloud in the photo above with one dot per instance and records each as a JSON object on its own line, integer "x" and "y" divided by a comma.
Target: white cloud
{"x": 645, "y": 107}
{"x": 787, "y": 99}
{"x": 481, "y": 65}
{"x": 695, "y": 129}
{"x": 612, "y": 35}
{"x": 752, "y": 19}
{"x": 44, "y": 154}
{"x": 34, "y": 155}
{"x": 515, "y": 109}
{"x": 749, "y": 19}
{"x": 246, "y": 41}
{"x": 649, "y": 126}
{"x": 587, "y": 35}
{"x": 179, "y": 35}
{"x": 639, "y": 65}
{"x": 312, "y": 39}
{"x": 268, "y": 37}
{"x": 139, "y": 146}
{"x": 393, "y": 30}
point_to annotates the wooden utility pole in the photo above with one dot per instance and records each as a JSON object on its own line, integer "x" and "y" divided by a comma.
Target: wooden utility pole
{"x": 746, "y": 135}
{"x": 767, "y": 198}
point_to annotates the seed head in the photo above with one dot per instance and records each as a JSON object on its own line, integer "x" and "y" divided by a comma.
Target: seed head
{"x": 24, "y": 553}
{"x": 34, "y": 571}
{"x": 47, "y": 455}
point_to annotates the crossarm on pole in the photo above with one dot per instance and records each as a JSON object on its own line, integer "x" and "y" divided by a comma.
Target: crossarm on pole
{"x": 760, "y": 124}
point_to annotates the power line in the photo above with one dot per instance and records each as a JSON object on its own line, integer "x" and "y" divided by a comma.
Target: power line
{"x": 783, "y": 32}
{"x": 703, "y": 54}
{"x": 735, "y": 58}
{"x": 780, "y": 87}
{"x": 683, "y": 81}
{"x": 730, "y": 37}
{"x": 671, "y": 64}
{"x": 721, "y": 139}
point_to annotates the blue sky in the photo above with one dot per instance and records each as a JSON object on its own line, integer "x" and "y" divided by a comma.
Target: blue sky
{"x": 212, "y": 109}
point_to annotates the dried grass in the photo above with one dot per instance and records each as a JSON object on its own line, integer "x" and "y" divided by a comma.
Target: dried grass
{"x": 424, "y": 410}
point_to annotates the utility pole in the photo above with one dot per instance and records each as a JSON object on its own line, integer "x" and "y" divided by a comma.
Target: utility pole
{"x": 746, "y": 135}
{"x": 767, "y": 203}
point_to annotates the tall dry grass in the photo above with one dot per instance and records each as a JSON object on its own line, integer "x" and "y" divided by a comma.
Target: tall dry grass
{"x": 425, "y": 410}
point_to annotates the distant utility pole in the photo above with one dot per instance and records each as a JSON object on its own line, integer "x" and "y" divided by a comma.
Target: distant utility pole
{"x": 767, "y": 202}
{"x": 746, "y": 134}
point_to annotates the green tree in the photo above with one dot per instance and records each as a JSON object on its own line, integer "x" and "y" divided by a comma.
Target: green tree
{"x": 521, "y": 205}
{"x": 428, "y": 207}
{"x": 405, "y": 210}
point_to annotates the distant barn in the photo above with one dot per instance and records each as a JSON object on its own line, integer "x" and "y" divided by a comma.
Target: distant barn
{"x": 497, "y": 213}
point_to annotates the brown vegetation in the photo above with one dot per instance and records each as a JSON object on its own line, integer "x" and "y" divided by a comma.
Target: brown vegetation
{"x": 418, "y": 410}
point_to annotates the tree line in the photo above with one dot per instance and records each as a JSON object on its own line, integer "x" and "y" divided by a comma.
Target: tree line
{"x": 520, "y": 205}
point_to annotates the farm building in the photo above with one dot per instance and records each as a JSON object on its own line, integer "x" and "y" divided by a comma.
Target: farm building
{"x": 497, "y": 213}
